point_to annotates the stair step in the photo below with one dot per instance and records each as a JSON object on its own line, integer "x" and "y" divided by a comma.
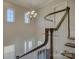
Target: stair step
{"x": 72, "y": 38}
{"x": 70, "y": 45}
{"x": 68, "y": 54}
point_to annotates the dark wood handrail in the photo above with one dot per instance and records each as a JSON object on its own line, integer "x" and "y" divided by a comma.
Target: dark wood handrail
{"x": 58, "y": 26}
{"x": 45, "y": 42}
{"x": 61, "y": 21}
{"x": 55, "y": 13}
{"x": 47, "y": 30}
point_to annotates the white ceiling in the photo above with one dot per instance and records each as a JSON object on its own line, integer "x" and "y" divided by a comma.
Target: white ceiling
{"x": 33, "y": 4}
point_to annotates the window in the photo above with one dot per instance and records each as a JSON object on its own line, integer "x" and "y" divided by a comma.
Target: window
{"x": 10, "y": 15}
{"x": 27, "y": 46}
{"x": 27, "y": 18}
{"x": 30, "y": 45}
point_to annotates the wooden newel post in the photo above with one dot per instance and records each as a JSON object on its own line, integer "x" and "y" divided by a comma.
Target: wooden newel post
{"x": 68, "y": 9}
{"x": 51, "y": 43}
{"x": 17, "y": 57}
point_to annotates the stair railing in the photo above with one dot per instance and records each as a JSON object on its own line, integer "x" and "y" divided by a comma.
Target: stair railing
{"x": 42, "y": 45}
{"x": 51, "y": 33}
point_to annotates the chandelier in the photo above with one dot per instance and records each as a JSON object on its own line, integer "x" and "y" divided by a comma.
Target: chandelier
{"x": 31, "y": 14}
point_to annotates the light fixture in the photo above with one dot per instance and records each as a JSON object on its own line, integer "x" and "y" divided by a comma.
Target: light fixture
{"x": 31, "y": 14}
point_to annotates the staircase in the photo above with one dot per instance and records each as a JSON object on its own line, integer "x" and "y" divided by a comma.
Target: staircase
{"x": 51, "y": 30}
{"x": 67, "y": 53}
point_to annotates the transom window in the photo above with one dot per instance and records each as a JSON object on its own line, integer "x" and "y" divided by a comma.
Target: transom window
{"x": 10, "y": 15}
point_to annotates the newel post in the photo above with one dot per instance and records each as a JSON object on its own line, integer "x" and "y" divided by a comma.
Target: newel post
{"x": 17, "y": 57}
{"x": 51, "y": 43}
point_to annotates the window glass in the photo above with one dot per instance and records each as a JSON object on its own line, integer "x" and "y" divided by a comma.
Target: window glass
{"x": 25, "y": 47}
{"x": 27, "y": 19}
{"x": 10, "y": 15}
{"x": 30, "y": 45}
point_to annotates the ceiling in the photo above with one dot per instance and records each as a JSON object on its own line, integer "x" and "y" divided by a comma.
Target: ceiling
{"x": 33, "y": 4}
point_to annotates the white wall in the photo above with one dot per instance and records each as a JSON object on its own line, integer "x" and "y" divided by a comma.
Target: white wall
{"x": 16, "y": 33}
{"x": 60, "y": 36}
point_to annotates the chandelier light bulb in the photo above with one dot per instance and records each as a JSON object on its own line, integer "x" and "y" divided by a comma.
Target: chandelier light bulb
{"x": 32, "y": 12}
{"x": 35, "y": 15}
{"x": 28, "y": 12}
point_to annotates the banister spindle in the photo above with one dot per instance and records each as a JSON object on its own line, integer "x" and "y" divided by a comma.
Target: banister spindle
{"x": 51, "y": 43}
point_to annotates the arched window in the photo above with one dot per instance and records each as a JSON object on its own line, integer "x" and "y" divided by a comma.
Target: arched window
{"x": 10, "y": 15}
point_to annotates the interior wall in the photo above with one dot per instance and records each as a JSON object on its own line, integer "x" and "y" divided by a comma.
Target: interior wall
{"x": 18, "y": 32}
{"x": 60, "y": 36}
